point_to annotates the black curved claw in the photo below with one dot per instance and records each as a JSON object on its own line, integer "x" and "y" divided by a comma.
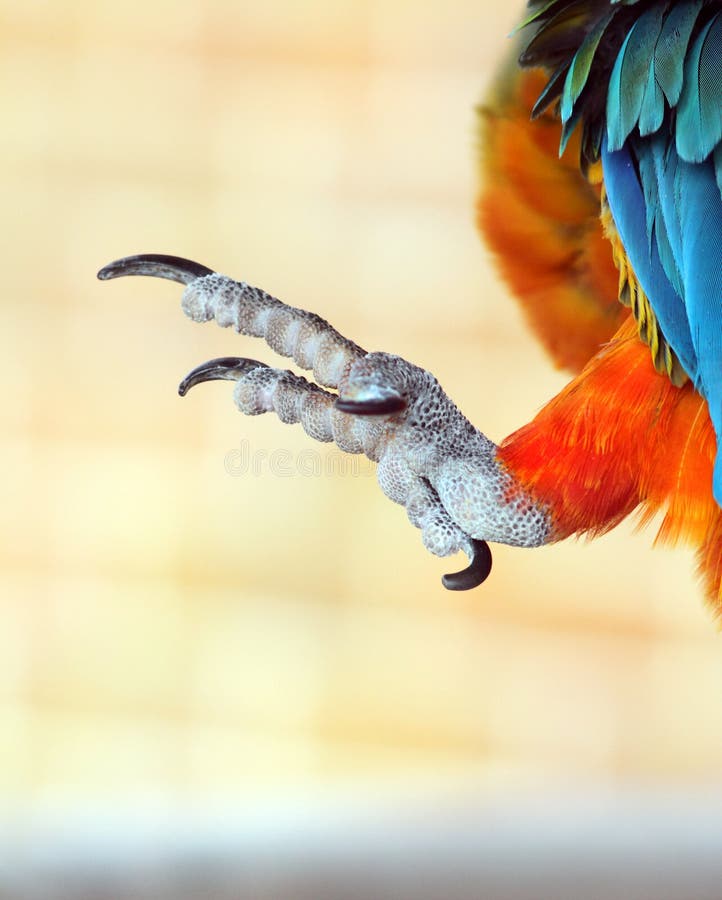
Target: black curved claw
{"x": 476, "y": 573}
{"x": 227, "y": 368}
{"x": 158, "y": 265}
{"x": 384, "y": 407}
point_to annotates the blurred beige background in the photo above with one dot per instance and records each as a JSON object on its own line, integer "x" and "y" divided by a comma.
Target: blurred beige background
{"x": 176, "y": 635}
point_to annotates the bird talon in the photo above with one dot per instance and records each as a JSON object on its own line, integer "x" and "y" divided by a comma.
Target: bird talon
{"x": 157, "y": 265}
{"x": 430, "y": 458}
{"x": 476, "y": 572}
{"x": 226, "y": 368}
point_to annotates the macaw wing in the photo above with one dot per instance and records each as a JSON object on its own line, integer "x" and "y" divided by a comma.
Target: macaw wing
{"x": 665, "y": 194}
{"x": 642, "y": 83}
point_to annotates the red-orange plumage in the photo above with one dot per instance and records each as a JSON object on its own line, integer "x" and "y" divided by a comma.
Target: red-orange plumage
{"x": 540, "y": 218}
{"x": 617, "y": 436}
{"x": 620, "y": 436}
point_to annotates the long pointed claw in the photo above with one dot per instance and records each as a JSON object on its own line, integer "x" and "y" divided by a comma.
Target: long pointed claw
{"x": 476, "y": 573}
{"x": 157, "y": 265}
{"x": 227, "y": 368}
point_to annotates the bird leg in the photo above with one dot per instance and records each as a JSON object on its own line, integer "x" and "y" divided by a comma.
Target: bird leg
{"x": 431, "y": 459}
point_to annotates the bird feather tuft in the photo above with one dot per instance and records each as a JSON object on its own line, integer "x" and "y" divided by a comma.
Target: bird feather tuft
{"x": 581, "y": 65}
{"x": 699, "y": 114}
{"x": 628, "y": 81}
{"x": 672, "y": 45}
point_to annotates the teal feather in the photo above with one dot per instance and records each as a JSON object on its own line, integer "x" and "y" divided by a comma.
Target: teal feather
{"x": 666, "y": 65}
{"x": 651, "y": 114}
{"x": 581, "y": 64}
{"x": 630, "y": 67}
{"x": 699, "y": 113}
{"x": 671, "y": 48}
{"x": 628, "y": 80}
{"x": 718, "y": 166}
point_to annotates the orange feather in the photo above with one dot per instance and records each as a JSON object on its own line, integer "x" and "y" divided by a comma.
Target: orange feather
{"x": 540, "y": 217}
{"x": 618, "y": 436}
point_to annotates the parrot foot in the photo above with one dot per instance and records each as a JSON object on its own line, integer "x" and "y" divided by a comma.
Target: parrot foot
{"x": 431, "y": 459}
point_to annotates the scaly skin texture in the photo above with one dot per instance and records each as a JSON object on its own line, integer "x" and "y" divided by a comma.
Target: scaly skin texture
{"x": 430, "y": 458}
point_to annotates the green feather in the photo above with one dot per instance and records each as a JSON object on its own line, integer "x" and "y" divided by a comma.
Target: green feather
{"x": 699, "y": 113}
{"x": 580, "y": 67}
{"x": 536, "y": 14}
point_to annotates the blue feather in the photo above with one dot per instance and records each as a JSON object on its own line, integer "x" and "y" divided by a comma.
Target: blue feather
{"x": 662, "y": 199}
{"x": 628, "y": 207}
{"x": 700, "y": 206}
{"x": 700, "y": 213}
{"x": 686, "y": 217}
{"x": 648, "y": 180}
